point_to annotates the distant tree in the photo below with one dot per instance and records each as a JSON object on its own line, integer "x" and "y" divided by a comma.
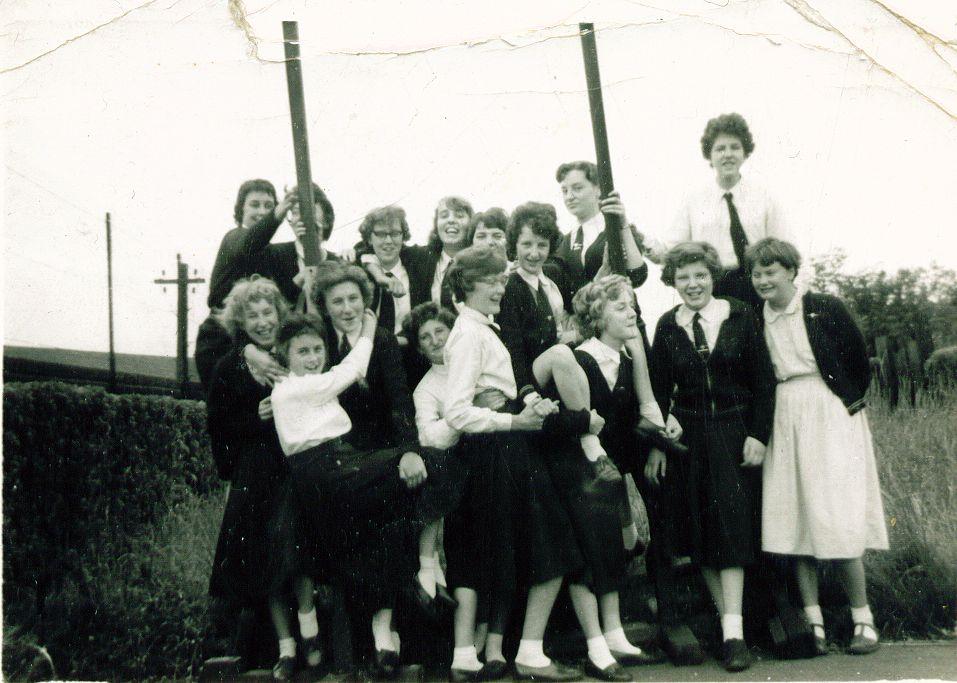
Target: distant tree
{"x": 920, "y": 303}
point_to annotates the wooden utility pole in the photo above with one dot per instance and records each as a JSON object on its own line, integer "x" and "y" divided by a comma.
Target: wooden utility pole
{"x": 182, "y": 282}
{"x": 109, "y": 290}
{"x": 616, "y": 254}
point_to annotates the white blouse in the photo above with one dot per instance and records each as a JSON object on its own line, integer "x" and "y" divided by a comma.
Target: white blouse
{"x": 477, "y": 360}
{"x": 429, "y": 396}
{"x": 306, "y": 408}
{"x": 787, "y": 340}
{"x": 713, "y": 314}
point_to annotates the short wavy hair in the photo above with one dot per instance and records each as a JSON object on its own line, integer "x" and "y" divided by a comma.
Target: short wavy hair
{"x": 470, "y": 265}
{"x": 384, "y": 215}
{"x": 772, "y": 250}
{"x": 244, "y": 292}
{"x": 727, "y": 124}
{"x": 254, "y": 185}
{"x": 328, "y": 213}
{"x": 587, "y": 167}
{"x": 453, "y": 203}
{"x": 295, "y": 325}
{"x": 686, "y": 253}
{"x": 540, "y": 218}
{"x": 493, "y": 219}
{"x": 589, "y": 302}
{"x": 422, "y": 314}
{"x": 332, "y": 273}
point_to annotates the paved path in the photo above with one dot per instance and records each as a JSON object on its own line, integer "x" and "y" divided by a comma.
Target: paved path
{"x": 894, "y": 661}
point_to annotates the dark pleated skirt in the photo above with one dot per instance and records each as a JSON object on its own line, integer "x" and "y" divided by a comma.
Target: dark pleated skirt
{"x": 511, "y": 528}
{"x": 251, "y": 562}
{"x": 358, "y": 523}
{"x": 594, "y": 520}
{"x": 723, "y": 498}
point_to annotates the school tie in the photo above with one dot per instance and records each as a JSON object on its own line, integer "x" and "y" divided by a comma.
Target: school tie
{"x": 344, "y": 347}
{"x": 544, "y": 307}
{"x": 578, "y": 246}
{"x": 700, "y": 341}
{"x": 738, "y": 238}
{"x": 387, "y": 307}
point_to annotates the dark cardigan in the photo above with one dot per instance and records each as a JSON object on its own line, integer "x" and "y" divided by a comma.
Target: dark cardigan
{"x": 737, "y": 378}
{"x": 526, "y": 333}
{"x": 838, "y": 346}
{"x": 574, "y": 275}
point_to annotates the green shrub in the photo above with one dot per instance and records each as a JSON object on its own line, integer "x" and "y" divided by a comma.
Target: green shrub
{"x": 941, "y": 370}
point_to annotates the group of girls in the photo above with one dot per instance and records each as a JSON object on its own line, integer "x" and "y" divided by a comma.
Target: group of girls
{"x": 527, "y": 409}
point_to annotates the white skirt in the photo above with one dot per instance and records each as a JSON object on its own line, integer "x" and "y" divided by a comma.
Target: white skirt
{"x": 821, "y": 493}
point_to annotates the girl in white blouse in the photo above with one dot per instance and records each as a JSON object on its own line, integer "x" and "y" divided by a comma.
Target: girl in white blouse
{"x": 510, "y": 529}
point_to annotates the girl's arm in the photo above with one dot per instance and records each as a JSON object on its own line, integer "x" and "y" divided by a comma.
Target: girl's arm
{"x": 647, "y": 405}
{"x": 762, "y": 381}
{"x": 434, "y": 431}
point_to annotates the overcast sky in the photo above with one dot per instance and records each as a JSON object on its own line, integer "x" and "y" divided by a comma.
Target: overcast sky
{"x": 157, "y": 111}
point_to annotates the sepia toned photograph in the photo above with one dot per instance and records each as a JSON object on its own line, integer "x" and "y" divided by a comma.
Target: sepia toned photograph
{"x": 419, "y": 341}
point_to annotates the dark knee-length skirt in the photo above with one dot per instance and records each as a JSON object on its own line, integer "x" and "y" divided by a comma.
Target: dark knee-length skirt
{"x": 510, "y": 528}
{"x": 358, "y": 522}
{"x": 594, "y": 520}
{"x": 723, "y": 497}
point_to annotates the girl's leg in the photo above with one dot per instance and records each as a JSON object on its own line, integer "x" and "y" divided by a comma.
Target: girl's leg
{"x": 713, "y": 581}
{"x": 805, "y": 571}
{"x": 586, "y": 609}
{"x": 855, "y": 585}
{"x": 437, "y": 570}
{"x": 541, "y": 598}
{"x": 481, "y": 635}
{"x": 308, "y": 622}
{"x": 732, "y": 592}
{"x": 279, "y": 612}
{"x": 558, "y": 363}
{"x": 464, "y": 657}
{"x": 614, "y": 631}
{"x": 428, "y": 558}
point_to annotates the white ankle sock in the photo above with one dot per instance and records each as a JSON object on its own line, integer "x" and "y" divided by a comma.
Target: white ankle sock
{"x": 437, "y": 570}
{"x": 308, "y": 624}
{"x": 382, "y": 630}
{"x": 427, "y": 574}
{"x": 862, "y": 615}
{"x": 396, "y": 641}
{"x": 618, "y": 641}
{"x": 598, "y": 652}
{"x": 465, "y": 659}
{"x": 732, "y": 627}
{"x": 530, "y": 653}
{"x": 629, "y": 536}
{"x": 287, "y": 647}
{"x": 814, "y": 614}
{"x": 592, "y": 447}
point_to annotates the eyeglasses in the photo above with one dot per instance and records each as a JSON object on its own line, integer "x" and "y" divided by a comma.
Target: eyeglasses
{"x": 388, "y": 234}
{"x": 493, "y": 280}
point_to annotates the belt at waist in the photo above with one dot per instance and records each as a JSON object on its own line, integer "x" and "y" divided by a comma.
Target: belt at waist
{"x": 705, "y": 413}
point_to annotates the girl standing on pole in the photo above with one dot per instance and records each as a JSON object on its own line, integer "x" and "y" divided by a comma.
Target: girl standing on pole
{"x": 822, "y": 499}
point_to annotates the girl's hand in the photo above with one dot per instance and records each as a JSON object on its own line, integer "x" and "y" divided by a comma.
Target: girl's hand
{"x": 656, "y": 467}
{"x": 348, "y": 255}
{"x": 595, "y": 422}
{"x": 395, "y": 286}
{"x": 299, "y": 229}
{"x": 673, "y": 428}
{"x": 369, "y": 322}
{"x": 545, "y": 406}
{"x": 753, "y": 452}
{"x": 612, "y": 204}
{"x": 493, "y": 399}
{"x": 265, "y": 409}
{"x": 282, "y": 208}
{"x": 528, "y": 420}
{"x": 412, "y": 470}
{"x": 262, "y": 366}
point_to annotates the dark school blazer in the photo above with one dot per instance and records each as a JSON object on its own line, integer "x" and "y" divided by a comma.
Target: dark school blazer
{"x": 737, "y": 378}
{"x": 526, "y": 333}
{"x": 576, "y": 275}
{"x": 838, "y": 346}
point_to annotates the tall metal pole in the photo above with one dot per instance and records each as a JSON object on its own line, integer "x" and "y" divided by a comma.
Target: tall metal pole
{"x": 312, "y": 240}
{"x": 616, "y": 254}
{"x": 109, "y": 289}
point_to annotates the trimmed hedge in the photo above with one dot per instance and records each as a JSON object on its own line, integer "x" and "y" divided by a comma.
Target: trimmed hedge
{"x": 88, "y": 475}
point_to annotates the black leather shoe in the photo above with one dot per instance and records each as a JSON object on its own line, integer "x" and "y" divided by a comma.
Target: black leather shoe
{"x": 462, "y": 676}
{"x": 494, "y": 670}
{"x": 736, "y": 656}
{"x": 612, "y": 672}
{"x": 681, "y": 645}
{"x": 444, "y": 599}
{"x": 422, "y": 600}
{"x": 658, "y": 437}
{"x": 643, "y": 657}
{"x": 605, "y": 470}
{"x": 284, "y": 669}
{"x": 552, "y": 672}
{"x": 386, "y": 665}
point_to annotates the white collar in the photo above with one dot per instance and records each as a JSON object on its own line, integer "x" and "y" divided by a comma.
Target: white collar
{"x": 599, "y": 349}
{"x": 741, "y": 186}
{"x": 533, "y": 280}
{"x": 710, "y": 313}
{"x": 794, "y": 306}
{"x": 353, "y": 338}
{"x": 595, "y": 224}
{"x": 470, "y": 313}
